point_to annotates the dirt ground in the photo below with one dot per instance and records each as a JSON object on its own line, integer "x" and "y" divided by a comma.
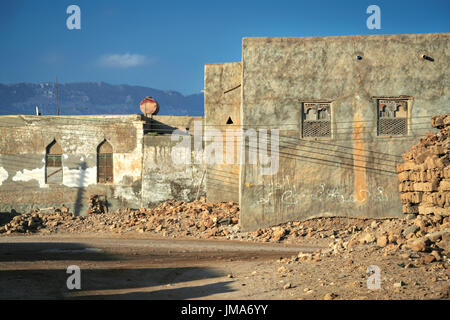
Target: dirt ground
{"x": 144, "y": 266}
{"x": 196, "y": 250}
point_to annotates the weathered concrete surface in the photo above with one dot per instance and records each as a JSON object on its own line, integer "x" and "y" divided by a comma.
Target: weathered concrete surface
{"x": 22, "y": 159}
{"x": 143, "y": 173}
{"x": 351, "y": 173}
{"x": 163, "y": 178}
{"x": 223, "y": 106}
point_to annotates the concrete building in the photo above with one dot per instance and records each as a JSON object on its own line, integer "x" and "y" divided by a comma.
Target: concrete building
{"x": 346, "y": 108}
{"x": 48, "y": 161}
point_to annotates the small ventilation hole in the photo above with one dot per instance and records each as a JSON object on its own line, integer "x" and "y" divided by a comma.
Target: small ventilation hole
{"x": 229, "y": 121}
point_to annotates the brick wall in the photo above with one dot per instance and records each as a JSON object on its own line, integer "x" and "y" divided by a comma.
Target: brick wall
{"x": 425, "y": 175}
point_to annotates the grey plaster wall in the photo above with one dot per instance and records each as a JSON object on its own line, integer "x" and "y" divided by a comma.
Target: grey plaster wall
{"x": 223, "y": 102}
{"x": 23, "y": 185}
{"x": 352, "y": 173}
{"x": 165, "y": 179}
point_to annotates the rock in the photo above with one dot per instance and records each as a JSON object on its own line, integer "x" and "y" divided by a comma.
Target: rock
{"x": 382, "y": 241}
{"x": 330, "y": 296}
{"x": 287, "y": 286}
{"x": 411, "y": 229}
{"x": 399, "y": 284}
{"x": 429, "y": 258}
{"x": 282, "y": 269}
{"x": 418, "y": 245}
{"x": 437, "y": 255}
{"x": 278, "y": 234}
{"x": 434, "y": 236}
{"x": 304, "y": 256}
{"x": 224, "y": 221}
{"x": 393, "y": 237}
{"x": 366, "y": 237}
{"x": 444, "y": 244}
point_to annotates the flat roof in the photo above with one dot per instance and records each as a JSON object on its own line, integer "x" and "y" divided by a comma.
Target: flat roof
{"x": 352, "y": 37}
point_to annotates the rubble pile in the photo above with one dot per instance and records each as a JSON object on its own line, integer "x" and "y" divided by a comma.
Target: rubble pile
{"x": 422, "y": 234}
{"x": 425, "y": 175}
{"x": 35, "y": 221}
{"x": 95, "y": 205}
{"x": 317, "y": 228}
{"x": 197, "y": 218}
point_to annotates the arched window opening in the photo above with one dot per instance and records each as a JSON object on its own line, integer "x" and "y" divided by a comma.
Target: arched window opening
{"x": 53, "y": 163}
{"x": 105, "y": 163}
{"x": 229, "y": 121}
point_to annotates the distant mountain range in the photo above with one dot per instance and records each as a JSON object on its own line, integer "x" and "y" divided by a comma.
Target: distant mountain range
{"x": 86, "y": 98}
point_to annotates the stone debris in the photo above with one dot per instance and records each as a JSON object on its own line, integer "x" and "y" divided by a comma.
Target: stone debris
{"x": 198, "y": 219}
{"x": 287, "y": 286}
{"x": 172, "y": 218}
{"x": 35, "y": 221}
{"x": 330, "y": 296}
{"x": 425, "y": 175}
{"x": 96, "y": 206}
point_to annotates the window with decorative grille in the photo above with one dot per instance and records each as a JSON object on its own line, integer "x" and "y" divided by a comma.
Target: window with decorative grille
{"x": 105, "y": 163}
{"x": 53, "y": 164}
{"x": 316, "y": 120}
{"x": 392, "y": 117}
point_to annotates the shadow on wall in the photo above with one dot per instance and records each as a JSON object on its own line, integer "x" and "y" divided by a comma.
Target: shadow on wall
{"x": 80, "y": 192}
{"x": 156, "y": 127}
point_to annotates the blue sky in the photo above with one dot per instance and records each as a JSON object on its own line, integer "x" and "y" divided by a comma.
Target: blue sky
{"x": 165, "y": 44}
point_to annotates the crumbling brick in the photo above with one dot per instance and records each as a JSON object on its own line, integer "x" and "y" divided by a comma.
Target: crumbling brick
{"x": 408, "y": 209}
{"x": 424, "y": 177}
{"x": 445, "y": 185}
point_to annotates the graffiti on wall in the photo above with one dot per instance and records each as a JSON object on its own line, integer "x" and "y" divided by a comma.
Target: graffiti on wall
{"x": 287, "y": 193}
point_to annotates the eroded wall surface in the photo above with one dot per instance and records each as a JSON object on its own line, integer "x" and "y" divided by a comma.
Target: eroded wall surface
{"x": 170, "y": 171}
{"x": 23, "y": 145}
{"x": 351, "y": 173}
{"x": 223, "y": 119}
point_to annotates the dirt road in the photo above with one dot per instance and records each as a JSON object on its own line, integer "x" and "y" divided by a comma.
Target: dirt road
{"x": 34, "y": 267}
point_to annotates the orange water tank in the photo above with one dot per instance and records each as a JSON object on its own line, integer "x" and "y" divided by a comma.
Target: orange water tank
{"x": 149, "y": 106}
